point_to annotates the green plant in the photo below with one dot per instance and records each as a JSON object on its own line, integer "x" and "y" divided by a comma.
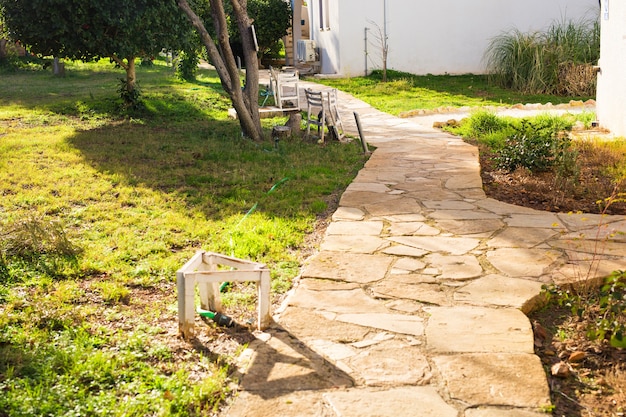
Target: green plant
{"x": 603, "y": 309}
{"x": 187, "y": 65}
{"x": 131, "y": 97}
{"x": 556, "y": 61}
{"x": 535, "y": 145}
{"x": 485, "y": 122}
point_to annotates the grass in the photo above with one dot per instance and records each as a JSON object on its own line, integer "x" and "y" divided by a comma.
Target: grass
{"x": 406, "y": 92}
{"x": 100, "y": 208}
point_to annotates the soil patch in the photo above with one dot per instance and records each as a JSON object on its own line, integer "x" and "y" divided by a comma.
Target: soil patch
{"x": 550, "y": 192}
{"x": 593, "y": 383}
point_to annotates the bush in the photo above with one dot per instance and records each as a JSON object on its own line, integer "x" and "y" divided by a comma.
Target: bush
{"x": 187, "y": 66}
{"x": 536, "y": 145}
{"x": 557, "y": 61}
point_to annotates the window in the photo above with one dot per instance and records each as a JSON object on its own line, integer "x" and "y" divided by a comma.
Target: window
{"x": 324, "y": 17}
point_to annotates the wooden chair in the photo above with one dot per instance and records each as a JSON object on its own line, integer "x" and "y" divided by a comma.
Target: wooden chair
{"x": 285, "y": 88}
{"x": 322, "y": 110}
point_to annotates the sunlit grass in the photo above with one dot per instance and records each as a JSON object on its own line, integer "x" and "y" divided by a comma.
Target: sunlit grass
{"x": 406, "y": 92}
{"x": 94, "y": 330}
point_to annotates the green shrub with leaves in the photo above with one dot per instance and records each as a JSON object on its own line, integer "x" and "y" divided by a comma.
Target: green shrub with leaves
{"x": 187, "y": 65}
{"x": 536, "y": 145}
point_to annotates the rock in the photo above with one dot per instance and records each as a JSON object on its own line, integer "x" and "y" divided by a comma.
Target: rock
{"x": 576, "y": 103}
{"x": 561, "y": 370}
{"x": 577, "y": 356}
{"x": 540, "y": 332}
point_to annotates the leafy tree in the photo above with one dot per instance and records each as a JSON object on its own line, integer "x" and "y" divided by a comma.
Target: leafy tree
{"x": 245, "y": 100}
{"x": 272, "y": 19}
{"x": 93, "y": 29}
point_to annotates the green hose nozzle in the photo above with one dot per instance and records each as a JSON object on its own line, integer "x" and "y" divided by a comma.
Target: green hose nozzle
{"x": 220, "y": 319}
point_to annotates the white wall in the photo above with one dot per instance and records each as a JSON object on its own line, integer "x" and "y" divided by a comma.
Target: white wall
{"x": 611, "y": 93}
{"x": 437, "y": 36}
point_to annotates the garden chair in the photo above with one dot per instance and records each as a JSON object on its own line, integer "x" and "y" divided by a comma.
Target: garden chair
{"x": 285, "y": 88}
{"x": 322, "y": 111}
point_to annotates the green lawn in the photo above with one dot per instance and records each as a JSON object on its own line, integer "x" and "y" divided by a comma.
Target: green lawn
{"x": 99, "y": 209}
{"x": 405, "y": 92}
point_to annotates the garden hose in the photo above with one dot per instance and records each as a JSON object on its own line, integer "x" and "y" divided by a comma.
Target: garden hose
{"x": 220, "y": 319}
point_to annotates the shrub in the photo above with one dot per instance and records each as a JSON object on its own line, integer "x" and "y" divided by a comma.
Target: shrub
{"x": 536, "y": 145}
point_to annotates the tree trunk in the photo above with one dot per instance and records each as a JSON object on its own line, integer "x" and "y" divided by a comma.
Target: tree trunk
{"x": 244, "y": 101}
{"x": 131, "y": 79}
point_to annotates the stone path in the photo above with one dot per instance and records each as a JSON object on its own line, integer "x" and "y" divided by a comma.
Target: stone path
{"x": 414, "y": 305}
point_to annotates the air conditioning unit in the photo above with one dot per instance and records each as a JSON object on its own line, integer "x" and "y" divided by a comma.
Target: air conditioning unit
{"x": 306, "y": 51}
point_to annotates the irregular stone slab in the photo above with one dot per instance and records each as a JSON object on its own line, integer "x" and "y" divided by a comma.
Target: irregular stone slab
{"x": 353, "y": 243}
{"x": 582, "y": 271}
{"x": 436, "y": 294}
{"x": 498, "y": 290}
{"x": 504, "y": 379}
{"x": 390, "y": 363}
{"x": 352, "y": 267}
{"x": 378, "y": 338}
{"x": 478, "y": 329}
{"x": 397, "y": 323}
{"x": 460, "y": 182}
{"x": 351, "y": 301}
{"x": 521, "y": 237}
{"x": 332, "y": 350}
{"x": 448, "y": 205}
{"x": 326, "y": 285}
{"x": 403, "y": 205}
{"x": 395, "y": 402}
{"x": 412, "y": 229}
{"x": 455, "y": 267}
{"x": 407, "y": 265}
{"x": 404, "y": 306}
{"x": 434, "y": 193}
{"x": 286, "y": 404}
{"x": 579, "y": 221}
{"x": 452, "y": 245}
{"x": 348, "y": 213}
{"x": 362, "y": 198}
{"x": 499, "y": 412}
{"x": 355, "y": 228}
{"x": 594, "y": 248}
{"x": 504, "y": 209}
{"x": 284, "y": 364}
{"x": 462, "y": 215}
{"x": 470, "y": 227}
{"x": 298, "y": 322}
{"x": 521, "y": 262}
{"x": 405, "y": 218}
{"x": 542, "y": 219}
{"x": 472, "y": 193}
{"x": 373, "y": 187}
{"x": 401, "y": 250}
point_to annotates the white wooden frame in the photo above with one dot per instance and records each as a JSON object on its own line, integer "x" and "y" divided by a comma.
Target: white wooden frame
{"x": 202, "y": 271}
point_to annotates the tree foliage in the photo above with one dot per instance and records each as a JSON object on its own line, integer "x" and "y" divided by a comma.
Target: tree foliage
{"x": 93, "y": 29}
{"x": 272, "y": 19}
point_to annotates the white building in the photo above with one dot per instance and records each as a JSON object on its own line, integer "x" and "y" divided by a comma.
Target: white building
{"x": 436, "y": 37}
{"x": 611, "y": 92}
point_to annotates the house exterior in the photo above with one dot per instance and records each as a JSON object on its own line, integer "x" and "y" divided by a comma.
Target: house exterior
{"x": 424, "y": 37}
{"x": 611, "y": 91}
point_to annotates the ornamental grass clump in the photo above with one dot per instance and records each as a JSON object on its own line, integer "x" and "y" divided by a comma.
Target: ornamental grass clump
{"x": 558, "y": 60}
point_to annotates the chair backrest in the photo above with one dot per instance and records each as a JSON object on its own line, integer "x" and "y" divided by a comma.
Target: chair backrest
{"x": 313, "y": 98}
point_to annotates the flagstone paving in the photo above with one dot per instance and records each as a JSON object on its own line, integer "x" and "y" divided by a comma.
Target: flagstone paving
{"x": 414, "y": 305}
